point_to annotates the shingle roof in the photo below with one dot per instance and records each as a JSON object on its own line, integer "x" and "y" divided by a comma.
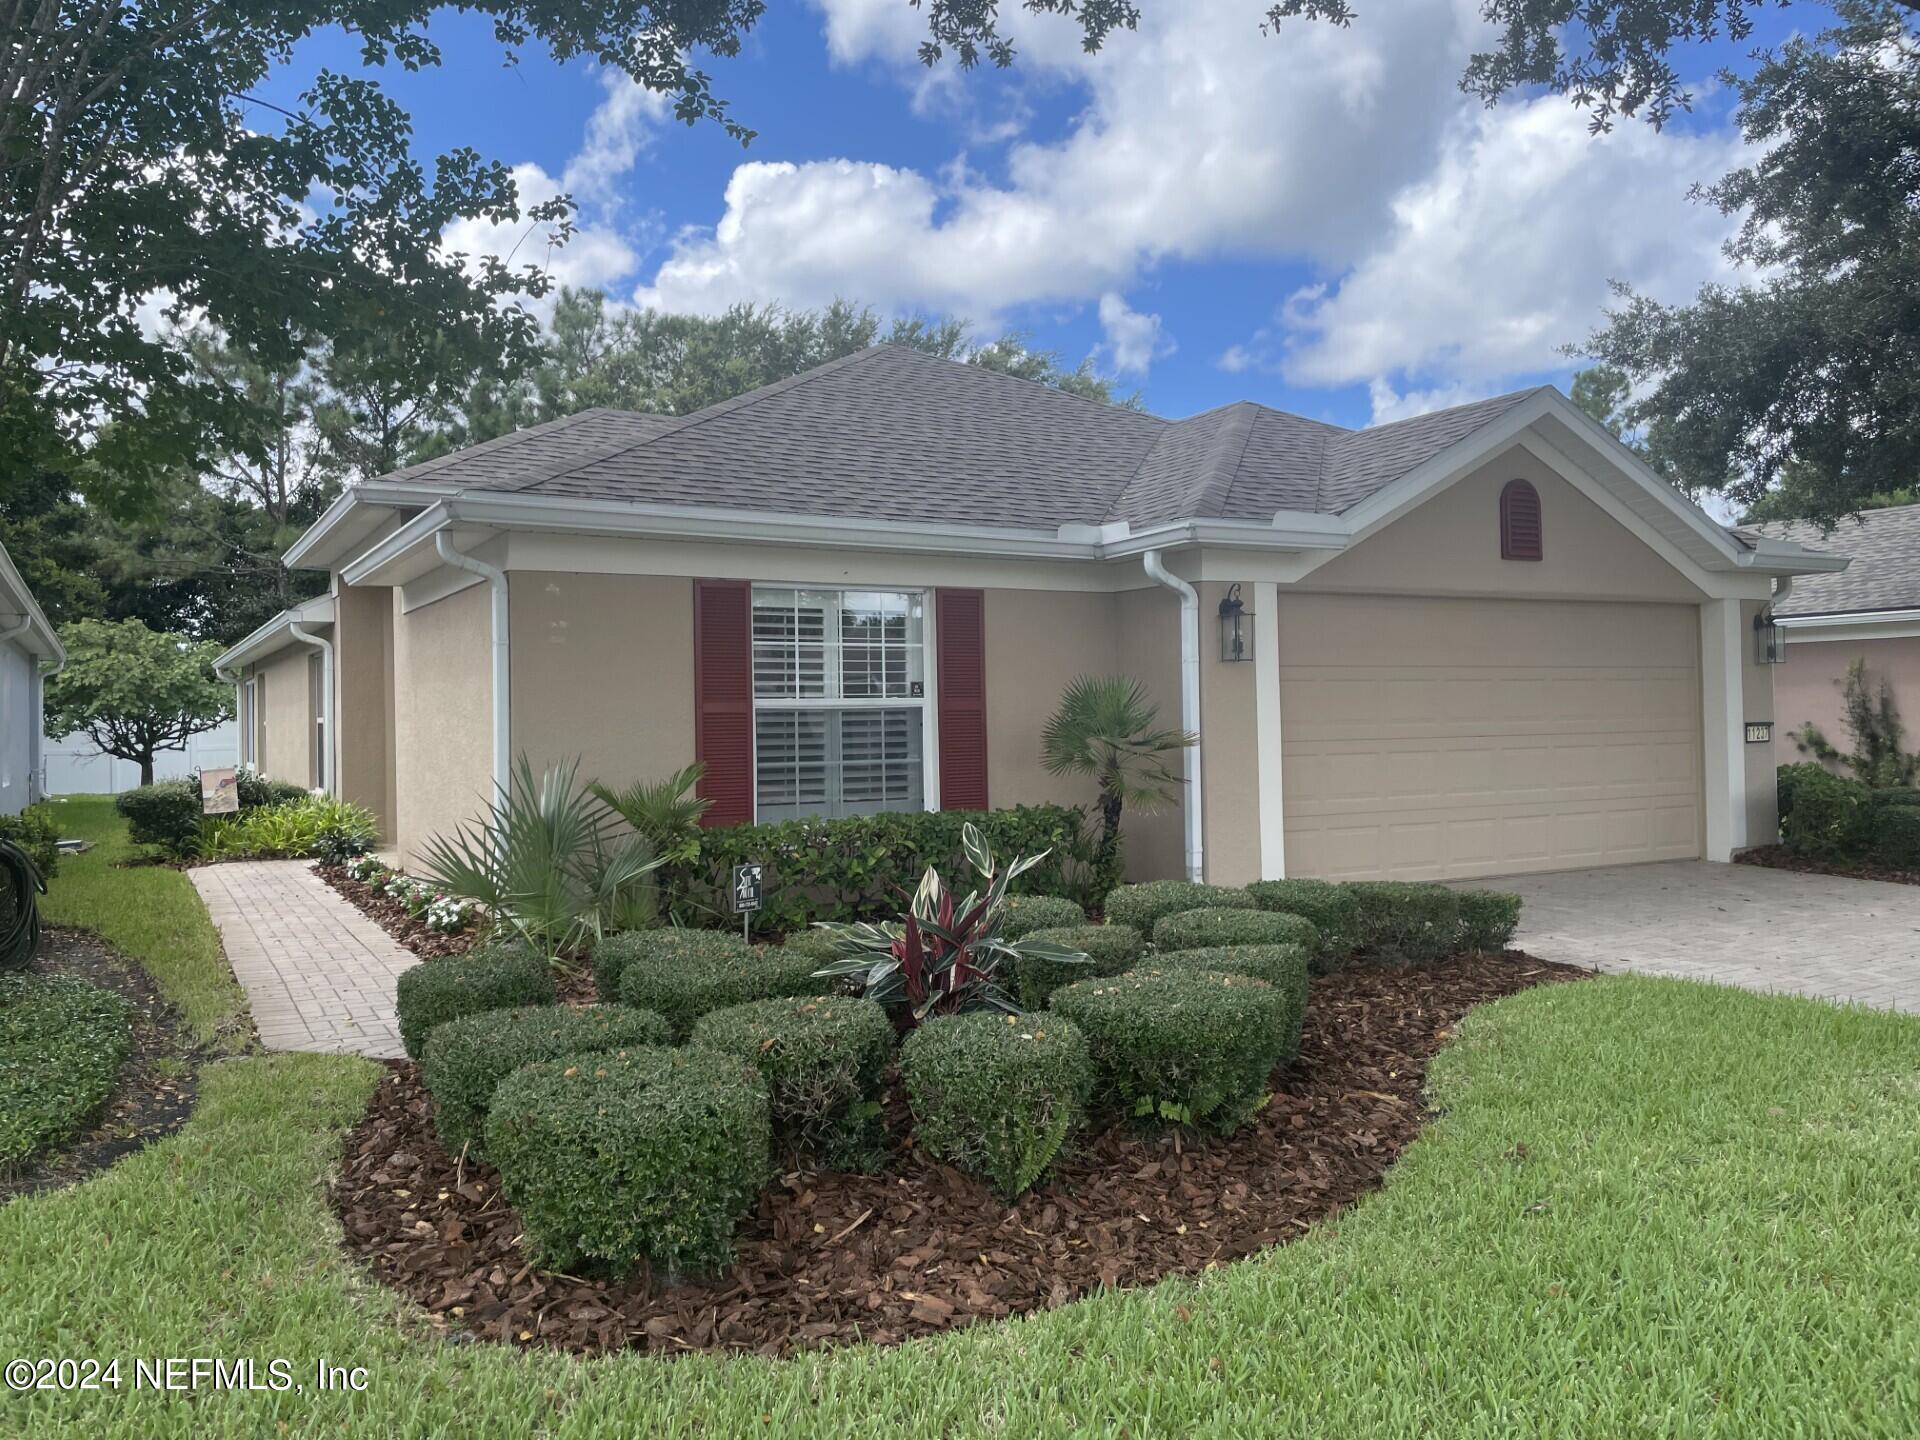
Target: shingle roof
{"x": 1884, "y": 575}
{"x": 898, "y": 432}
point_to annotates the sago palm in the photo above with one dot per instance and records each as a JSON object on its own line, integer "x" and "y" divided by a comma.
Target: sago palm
{"x": 1106, "y": 727}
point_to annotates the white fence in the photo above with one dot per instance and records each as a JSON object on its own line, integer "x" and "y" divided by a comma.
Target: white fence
{"x": 75, "y": 766}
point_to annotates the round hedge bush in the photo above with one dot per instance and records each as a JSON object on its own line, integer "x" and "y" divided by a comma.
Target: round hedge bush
{"x": 1329, "y": 905}
{"x": 997, "y": 1095}
{"x": 1024, "y": 914}
{"x": 493, "y": 977}
{"x": 631, "y": 1155}
{"x": 684, "y": 980}
{"x": 1142, "y": 906}
{"x": 1407, "y": 923}
{"x": 1198, "y": 929}
{"x": 824, "y": 1058}
{"x": 1282, "y": 966}
{"x": 464, "y": 1060}
{"x": 615, "y": 952}
{"x": 817, "y": 945}
{"x": 1190, "y": 1046}
{"x": 1110, "y": 950}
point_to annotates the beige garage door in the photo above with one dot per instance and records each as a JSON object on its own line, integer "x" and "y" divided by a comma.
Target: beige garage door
{"x": 1445, "y": 738}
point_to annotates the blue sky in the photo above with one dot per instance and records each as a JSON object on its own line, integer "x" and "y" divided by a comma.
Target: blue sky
{"x": 1318, "y": 220}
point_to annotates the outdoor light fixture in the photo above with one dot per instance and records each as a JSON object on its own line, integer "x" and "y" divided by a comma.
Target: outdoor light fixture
{"x": 1769, "y": 640}
{"x": 1236, "y": 627}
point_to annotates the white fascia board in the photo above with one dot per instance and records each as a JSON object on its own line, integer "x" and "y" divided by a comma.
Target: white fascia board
{"x": 276, "y": 633}
{"x": 1851, "y": 625}
{"x": 354, "y": 514}
{"x": 39, "y": 636}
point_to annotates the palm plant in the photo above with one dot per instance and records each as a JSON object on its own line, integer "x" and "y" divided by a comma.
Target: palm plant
{"x": 1106, "y": 727}
{"x": 665, "y": 811}
{"x": 548, "y": 863}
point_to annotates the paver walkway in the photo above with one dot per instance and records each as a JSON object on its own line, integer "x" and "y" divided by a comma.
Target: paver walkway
{"x": 319, "y": 974}
{"x": 1818, "y": 935}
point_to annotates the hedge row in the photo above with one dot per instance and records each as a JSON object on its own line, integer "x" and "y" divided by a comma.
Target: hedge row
{"x": 1836, "y": 818}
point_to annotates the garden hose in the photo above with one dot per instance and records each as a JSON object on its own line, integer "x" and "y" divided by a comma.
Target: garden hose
{"x": 19, "y": 906}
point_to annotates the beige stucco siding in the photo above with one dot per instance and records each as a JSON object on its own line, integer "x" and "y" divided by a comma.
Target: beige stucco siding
{"x": 443, "y": 726}
{"x": 363, "y": 700}
{"x": 602, "y": 672}
{"x": 1758, "y": 705}
{"x": 1150, "y": 653}
{"x": 1038, "y": 641}
{"x": 1438, "y": 738}
{"x": 1807, "y": 687}
{"x": 1451, "y": 546}
{"x": 287, "y": 713}
{"x": 1230, "y": 781}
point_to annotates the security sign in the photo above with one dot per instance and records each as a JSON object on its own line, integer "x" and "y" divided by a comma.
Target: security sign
{"x": 747, "y": 885}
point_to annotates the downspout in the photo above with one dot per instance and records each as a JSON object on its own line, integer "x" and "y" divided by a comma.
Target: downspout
{"x": 332, "y": 756}
{"x": 497, "y": 583}
{"x": 1189, "y": 701}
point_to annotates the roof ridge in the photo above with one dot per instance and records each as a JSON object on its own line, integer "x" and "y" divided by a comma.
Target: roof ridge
{"x": 494, "y": 443}
{"x": 1106, "y": 405}
{"x": 1241, "y": 424}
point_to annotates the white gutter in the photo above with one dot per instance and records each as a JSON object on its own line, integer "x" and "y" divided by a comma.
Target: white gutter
{"x": 497, "y": 583}
{"x": 1189, "y": 701}
{"x": 332, "y": 756}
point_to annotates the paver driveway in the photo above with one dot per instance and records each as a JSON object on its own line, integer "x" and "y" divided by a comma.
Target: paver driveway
{"x": 1763, "y": 929}
{"x": 319, "y": 975}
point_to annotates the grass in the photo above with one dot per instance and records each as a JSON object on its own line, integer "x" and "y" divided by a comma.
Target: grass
{"x": 1651, "y": 1208}
{"x": 61, "y": 1045}
{"x": 151, "y": 913}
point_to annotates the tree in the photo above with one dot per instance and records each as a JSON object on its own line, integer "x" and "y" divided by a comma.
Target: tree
{"x": 1107, "y": 728}
{"x": 135, "y": 691}
{"x": 1606, "y": 394}
{"x": 1809, "y": 375}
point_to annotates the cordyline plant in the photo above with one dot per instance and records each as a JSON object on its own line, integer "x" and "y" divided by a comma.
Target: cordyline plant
{"x": 946, "y": 955}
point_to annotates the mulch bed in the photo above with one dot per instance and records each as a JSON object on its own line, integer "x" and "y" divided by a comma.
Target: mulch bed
{"x": 157, "y": 1085}
{"x": 390, "y": 915}
{"x": 920, "y": 1248}
{"x": 1778, "y": 857}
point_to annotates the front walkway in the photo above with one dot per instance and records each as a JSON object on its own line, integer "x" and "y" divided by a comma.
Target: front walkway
{"x": 319, "y": 974}
{"x": 1819, "y": 935}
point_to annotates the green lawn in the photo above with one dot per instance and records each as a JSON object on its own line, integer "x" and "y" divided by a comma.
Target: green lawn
{"x": 151, "y": 913}
{"x": 1652, "y": 1208}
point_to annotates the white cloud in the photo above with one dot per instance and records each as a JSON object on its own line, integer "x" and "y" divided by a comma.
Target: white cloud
{"x": 1133, "y": 341}
{"x": 1392, "y": 404}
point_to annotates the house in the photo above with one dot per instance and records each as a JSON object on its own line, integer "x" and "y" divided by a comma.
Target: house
{"x": 1482, "y": 641}
{"x": 29, "y": 652}
{"x": 1870, "y": 611}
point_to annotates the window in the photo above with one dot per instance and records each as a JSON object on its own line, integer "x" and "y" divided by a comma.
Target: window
{"x": 839, "y": 702}
{"x": 1520, "y": 528}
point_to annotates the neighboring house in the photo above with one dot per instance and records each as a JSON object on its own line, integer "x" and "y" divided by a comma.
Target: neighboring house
{"x": 1483, "y": 641}
{"x": 1869, "y": 611}
{"x": 29, "y": 651}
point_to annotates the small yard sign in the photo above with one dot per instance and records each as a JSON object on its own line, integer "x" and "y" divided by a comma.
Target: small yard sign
{"x": 748, "y": 884}
{"x": 219, "y": 792}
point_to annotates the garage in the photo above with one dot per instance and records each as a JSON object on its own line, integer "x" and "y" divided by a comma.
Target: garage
{"x": 1429, "y": 738}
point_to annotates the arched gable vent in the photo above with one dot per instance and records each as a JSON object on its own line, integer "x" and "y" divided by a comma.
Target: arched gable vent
{"x": 1520, "y": 529}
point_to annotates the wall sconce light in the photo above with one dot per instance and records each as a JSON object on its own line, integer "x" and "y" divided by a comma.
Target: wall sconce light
{"x": 1236, "y": 627}
{"x": 1769, "y": 640}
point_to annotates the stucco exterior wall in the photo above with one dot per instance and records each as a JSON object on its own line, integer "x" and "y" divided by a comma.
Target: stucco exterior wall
{"x": 363, "y": 699}
{"x": 1807, "y": 687}
{"x": 602, "y": 672}
{"x": 1758, "y": 704}
{"x": 1230, "y": 762}
{"x": 1037, "y": 642}
{"x": 287, "y": 712}
{"x": 1149, "y": 651}
{"x": 1451, "y": 546}
{"x": 442, "y": 718}
{"x": 19, "y": 725}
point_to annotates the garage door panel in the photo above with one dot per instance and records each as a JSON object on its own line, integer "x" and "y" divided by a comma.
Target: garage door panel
{"x": 1479, "y": 745}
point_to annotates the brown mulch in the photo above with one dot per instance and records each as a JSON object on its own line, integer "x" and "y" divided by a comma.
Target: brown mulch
{"x": 920, "y": 1248}
{"x": 391, "y": 916}
{"x": 1778, "y": 857}
{"x": 157, "y": 1085}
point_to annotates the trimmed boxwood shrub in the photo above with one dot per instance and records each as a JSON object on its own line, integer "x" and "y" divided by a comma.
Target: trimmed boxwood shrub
{"x": 1329, "y": 905}
{"x": 684, "y": 980}
{"x": 1828, "y": 815}
{"x": 1190, "y": 1046}
{"x": 493, "y": 977}
{"x": 615, "y": 952}
{"x": 464, "y": 1060}
{"x": 1896, "y": 836}
{"x": 631, "y": 1155}
{"x": 997, "y": 1095}
{"x": 817, "y": 944}
{"x": 62, "y": 1042}
{"x": 1024, "y": 914}
{"x": 1198, "y": 929}
{"x": 1895, "y": 795}
{"x": 1407, "y": 923}
{"x": 1110, "y": 950}
{"x": 824, "y": 1058}
{"x": 1142, "y": 906}
{"x": 1282, "y": 966}
{"x": 1488, "y": 919}
{"x": 167, "y": 812}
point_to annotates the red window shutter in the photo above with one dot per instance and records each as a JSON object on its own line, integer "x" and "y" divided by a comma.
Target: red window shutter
{"x": 723, "y": 698}
{"x": 960, "y": 642}
{"x": 1522, "y": 537}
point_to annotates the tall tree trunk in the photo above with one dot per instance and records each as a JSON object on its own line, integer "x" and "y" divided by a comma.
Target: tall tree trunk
{"x": 146, "y": 768}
